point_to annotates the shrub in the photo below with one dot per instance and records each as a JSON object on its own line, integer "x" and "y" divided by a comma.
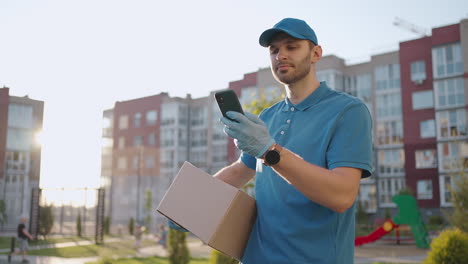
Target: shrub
{"x": 46, "y": 220}
{"x": 78, "y": 225}
{"x": 107, "y": 225}
{"x": 219, "y": 258}
{"x": 131, "y": 226}
{"x": 178, "y": 251}
{"x": 450, "y": 247}
{"x": 436, "y": 220}
{"x": 459, "y": 217}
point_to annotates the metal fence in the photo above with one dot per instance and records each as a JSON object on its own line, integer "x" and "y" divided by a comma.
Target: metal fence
{"x": 70, "y": 204}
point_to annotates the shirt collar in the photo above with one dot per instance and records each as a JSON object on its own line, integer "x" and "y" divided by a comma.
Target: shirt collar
{"x": 310, "y": 100}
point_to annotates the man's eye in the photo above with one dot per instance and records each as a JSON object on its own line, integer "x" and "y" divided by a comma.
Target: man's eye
{"x": 292, "y": 47}
{"x": 273, "y": 51}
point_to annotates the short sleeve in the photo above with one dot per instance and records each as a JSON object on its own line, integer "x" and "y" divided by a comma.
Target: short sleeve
{"x": 249, "y": 161}
{"x": 351, "y": 143}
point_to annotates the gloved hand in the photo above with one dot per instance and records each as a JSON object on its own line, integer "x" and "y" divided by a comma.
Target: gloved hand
{"x": 250, "y": 133}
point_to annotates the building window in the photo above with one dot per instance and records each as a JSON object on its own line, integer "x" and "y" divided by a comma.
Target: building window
{"x": 447, "y": 61}
{"x": 426, "y": 158}
{"x": 123, "y": 122}
{"x": 122, "y": 163}
{"x": 452, "y": 156}
{"x": 427, "y": 128}
{"x": 137, "y": 141}
{"x": 169, "y": 113}
{"x": 121, "y": 143}
{"x": 20, "y": 116}
{"x": 389, "y": 132}
{"x": 136, "y": 162}
{"x": 391, "y": 161}
{"x": 150, "y": 162}
{"x": 449, "y": 93}
{"x": 137, "y": 120}
{"x": 389, "y": 105}
{"x": 151, "y": 117}
{"x": 19, "y": 139}
{"x": 388, "y": 187}
{"x": 451, "y": 123}
{"x": 367, "y": 197}
{"x": 424, "y": 190}
{"x": 152, "y": 139}
{"x": 423, "y": 100}
{"x": 418, "y": 71}
{"x": 445, "y": 185}
{"x": 387, "y": 77}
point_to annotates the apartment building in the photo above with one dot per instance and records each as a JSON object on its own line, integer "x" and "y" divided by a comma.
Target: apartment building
{"x": 130, "y": 171}
{"x": 20, "y": 154}
{"x": 434, "y": 72}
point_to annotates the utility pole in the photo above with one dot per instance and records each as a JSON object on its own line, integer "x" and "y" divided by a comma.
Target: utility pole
{"x": 140, "y": 149}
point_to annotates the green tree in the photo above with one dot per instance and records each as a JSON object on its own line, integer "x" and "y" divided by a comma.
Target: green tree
{"x": 107, "y": 223}
{"x": 178, "y": 251}
{"x": 78, "y": 225}
{"x": 3, "y": 215}
{"x": 148, "y": 208}
{"x": 46, "y": 220}
{"x": 131, "y": 226}
{"x": 257, "y": 106}
{"x": 459, "y": 217}
{"x": 220, "y": 258}
{"x": 459, "y": 192}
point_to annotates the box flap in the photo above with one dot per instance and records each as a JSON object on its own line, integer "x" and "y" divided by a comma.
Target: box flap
{"x": 233, "y": 233}
{"x": 197, "y": 201}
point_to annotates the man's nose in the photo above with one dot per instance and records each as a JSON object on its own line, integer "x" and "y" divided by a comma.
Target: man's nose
{"x": 281, "y": 55}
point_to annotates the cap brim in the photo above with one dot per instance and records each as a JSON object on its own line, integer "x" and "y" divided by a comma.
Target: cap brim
{"x": 267, "y": 35}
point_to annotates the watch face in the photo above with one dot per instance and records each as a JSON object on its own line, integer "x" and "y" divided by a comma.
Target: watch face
{"x": 272, "y": 157}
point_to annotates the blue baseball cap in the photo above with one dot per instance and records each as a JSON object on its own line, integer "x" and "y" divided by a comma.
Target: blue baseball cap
{"x": 294, "y": 27}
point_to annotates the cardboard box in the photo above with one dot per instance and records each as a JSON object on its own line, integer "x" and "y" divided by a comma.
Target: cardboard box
{"x": 219, "y": 214}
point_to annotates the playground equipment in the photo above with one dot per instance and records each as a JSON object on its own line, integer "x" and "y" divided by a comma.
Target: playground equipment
{"x": 408, "y": 214}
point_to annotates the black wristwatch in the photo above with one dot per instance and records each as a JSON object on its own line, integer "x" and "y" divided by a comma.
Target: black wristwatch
{"x": 272, "y": 155}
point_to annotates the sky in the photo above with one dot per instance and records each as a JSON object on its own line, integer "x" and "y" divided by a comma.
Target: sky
{"x": 80, "y": 57}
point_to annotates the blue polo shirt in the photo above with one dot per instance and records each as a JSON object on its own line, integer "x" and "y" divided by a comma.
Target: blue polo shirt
{"x": 329, "y": 129}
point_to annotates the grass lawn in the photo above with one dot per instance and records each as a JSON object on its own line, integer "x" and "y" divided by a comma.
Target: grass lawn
{"x": 152, "y": 260}
{"x": 114, "y": 249}
{"x": 158, "y": 260}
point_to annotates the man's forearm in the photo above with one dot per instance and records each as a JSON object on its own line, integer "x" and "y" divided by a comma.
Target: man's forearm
{"x": 236, "y": 174}
{"x": 335, "y": 189}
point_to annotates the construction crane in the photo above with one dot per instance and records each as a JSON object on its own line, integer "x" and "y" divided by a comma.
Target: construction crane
{"x": 410, "y": 27}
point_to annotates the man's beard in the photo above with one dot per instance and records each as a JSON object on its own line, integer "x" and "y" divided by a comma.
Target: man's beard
{"x": 302, "y": 70}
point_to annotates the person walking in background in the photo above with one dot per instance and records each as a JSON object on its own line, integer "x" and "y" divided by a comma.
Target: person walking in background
{"x": 23, "y": 236}
{"x": 308, "y": 154}
{"x": 162, "y": 236}
{"x": 139, "y": 229}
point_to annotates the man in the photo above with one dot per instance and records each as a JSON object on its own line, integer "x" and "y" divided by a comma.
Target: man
{"x": 23, "y": 236}
{"x": 308, "y": 154}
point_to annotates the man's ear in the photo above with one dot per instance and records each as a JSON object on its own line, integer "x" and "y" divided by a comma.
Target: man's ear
{"x": 316, "y": 54}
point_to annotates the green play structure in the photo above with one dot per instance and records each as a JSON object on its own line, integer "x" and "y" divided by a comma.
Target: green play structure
{"x": 408, "y": 214}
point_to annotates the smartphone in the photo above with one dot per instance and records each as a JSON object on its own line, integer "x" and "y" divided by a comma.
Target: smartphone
{"x": 228, "y": 101}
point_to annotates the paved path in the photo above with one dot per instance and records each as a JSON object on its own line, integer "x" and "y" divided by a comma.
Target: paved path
{"x": 366, "y": 254}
